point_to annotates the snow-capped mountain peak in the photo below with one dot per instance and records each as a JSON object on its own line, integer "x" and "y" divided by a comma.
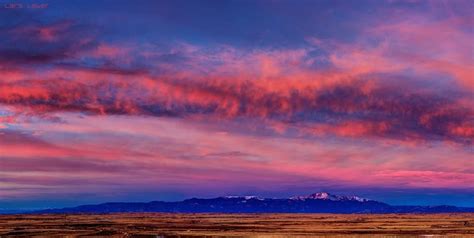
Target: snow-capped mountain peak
{"x": 328, "y": 196}
{"x": 321, "y": 195}
{"x": 243, "y": 197}
{"x": 314, "y": 196}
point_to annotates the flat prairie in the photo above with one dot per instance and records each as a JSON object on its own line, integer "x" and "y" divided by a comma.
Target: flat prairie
{"x": 237, "y": 225}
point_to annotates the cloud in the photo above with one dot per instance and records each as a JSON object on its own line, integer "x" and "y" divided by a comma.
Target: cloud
{"x": 361, "y": 104}
{"x": 123, "y": 153}
{"x": 25, "y": 43}
{"x": 388, "y": 83}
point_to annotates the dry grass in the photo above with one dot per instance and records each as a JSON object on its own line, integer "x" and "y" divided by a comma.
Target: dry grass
{"x": 238, "y": 225}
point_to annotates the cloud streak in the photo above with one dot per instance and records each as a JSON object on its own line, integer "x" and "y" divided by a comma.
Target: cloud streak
{"x": 334, "y": 101}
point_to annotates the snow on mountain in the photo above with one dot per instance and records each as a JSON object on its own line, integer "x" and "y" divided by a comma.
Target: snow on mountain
{"x": 328, "y": 196}
{"x": 317, "y": 196}
{"x": 244, "y": 197}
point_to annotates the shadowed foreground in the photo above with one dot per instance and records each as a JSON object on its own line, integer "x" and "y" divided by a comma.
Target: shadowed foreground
{"x": 238, "y": 225}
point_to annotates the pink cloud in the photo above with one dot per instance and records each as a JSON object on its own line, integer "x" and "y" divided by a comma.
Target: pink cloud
{"x": 160, "y": 152}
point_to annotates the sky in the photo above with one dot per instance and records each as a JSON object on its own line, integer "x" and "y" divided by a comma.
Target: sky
{"x": 106, "y": 101}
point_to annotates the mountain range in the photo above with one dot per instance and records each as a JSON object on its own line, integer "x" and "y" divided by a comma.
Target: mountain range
{"x": 314, "y": 203}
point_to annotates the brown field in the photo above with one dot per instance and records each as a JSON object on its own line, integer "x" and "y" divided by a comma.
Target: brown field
{"x": 238, "y": 225}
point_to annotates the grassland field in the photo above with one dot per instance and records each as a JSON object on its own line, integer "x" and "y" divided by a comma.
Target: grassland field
{"x": 237, "y": 225}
